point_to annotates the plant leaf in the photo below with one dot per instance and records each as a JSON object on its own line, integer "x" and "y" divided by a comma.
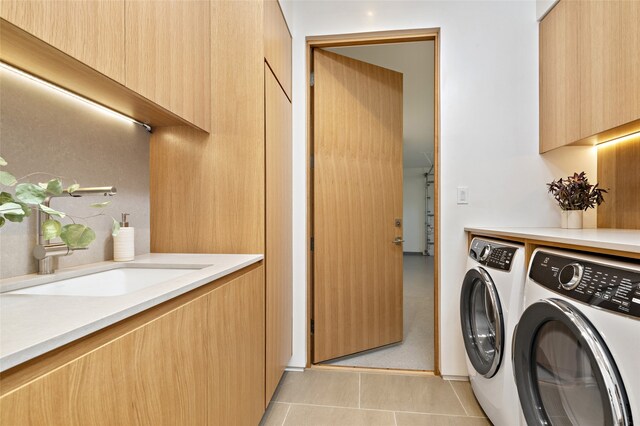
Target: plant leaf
{"x": 52, "y": 212}
{"x": 5, "y": 197}
{"x": 77, "y": 235}
{"x": 11, "y": 208}
{"x": 30, "y": 193}
{"x": 14, "y": 217}
{"x": 7, "y": 178}
{"x": 51, "y": 229}
{"x": 54, "y": 187}
{"x": 73, "y": 188}
{"x": 3, "y": 162}
{"x": 1, "y": 221}
{"x": 100, "y": 205}
{"x": 115, "y": 229}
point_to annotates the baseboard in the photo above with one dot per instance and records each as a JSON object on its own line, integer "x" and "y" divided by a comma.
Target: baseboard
{"x": 412, "y": 253}
{"x": 456, "y": 378}
{"x": 297, "y": 369}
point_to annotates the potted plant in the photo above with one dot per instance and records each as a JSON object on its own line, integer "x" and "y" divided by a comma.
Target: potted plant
{"x": 575, "y": 195}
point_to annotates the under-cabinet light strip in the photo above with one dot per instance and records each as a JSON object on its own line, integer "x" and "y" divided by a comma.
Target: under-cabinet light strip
{"x": 618, "y": 140}
{"x": 75, "y": 96}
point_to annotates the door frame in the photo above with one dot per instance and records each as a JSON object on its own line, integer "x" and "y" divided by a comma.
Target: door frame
{"x": 361, "y": 39}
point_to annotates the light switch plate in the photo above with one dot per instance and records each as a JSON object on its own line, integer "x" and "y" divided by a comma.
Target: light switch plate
{"x": 463, "y": 195}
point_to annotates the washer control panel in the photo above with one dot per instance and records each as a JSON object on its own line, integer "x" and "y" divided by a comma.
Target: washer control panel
{"x": 607, "y": 287}
{"x": 492, "y": 254}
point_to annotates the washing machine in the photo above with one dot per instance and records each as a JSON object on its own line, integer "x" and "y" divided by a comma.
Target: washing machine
{"x": 577, "y": 344}
{"x": 490, "y": 304}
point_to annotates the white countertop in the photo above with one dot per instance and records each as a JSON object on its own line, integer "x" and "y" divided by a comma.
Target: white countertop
{"x": 34, "y": 324}
{"x": 627, "y": 240}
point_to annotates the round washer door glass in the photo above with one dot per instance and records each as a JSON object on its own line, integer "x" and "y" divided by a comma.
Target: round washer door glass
{"x": 482, "y": 324}
{"x": 564, "y": 372}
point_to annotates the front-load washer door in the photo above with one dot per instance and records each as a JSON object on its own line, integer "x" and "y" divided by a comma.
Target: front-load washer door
{"x": 482, "y": 322}
{"x": 564, "y": 372}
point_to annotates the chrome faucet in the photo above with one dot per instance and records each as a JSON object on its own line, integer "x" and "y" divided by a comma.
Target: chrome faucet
{"x": 44, "y": 250}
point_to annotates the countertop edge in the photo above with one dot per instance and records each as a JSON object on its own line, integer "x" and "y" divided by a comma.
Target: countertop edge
{"x": 16, "y": 358}
{"x": 574, "y": 240}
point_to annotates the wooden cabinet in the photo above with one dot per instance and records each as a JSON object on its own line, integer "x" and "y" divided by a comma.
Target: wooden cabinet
{"x": 609, "y": 64}
{"x": 168, "y": 55}
{"x": 559, "y": 77}
{"x": 195, "y": 360}
{"x": 589, "y": 79}
{"x": 277, "y": 44}
{"x": 279, "y": 305}
{"x": 88, "y": 30}
{"x": 217, "y": 179}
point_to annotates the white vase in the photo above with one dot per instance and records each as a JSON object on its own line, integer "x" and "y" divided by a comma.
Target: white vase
{"x": 572, "y": 219}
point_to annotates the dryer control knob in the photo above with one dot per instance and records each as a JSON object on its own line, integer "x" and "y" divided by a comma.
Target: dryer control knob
{"x": 570, "y": 275}
{"x": 484, "y": 253}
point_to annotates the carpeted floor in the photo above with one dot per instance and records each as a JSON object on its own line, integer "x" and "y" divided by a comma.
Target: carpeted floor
{"x": 416, "y": 351}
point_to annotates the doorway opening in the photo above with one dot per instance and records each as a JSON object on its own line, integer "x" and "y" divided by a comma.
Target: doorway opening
{"x": 373, "y": 290}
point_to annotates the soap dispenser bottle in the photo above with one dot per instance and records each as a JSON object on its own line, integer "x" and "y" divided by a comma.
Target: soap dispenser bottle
{"x": 123, "y": 243}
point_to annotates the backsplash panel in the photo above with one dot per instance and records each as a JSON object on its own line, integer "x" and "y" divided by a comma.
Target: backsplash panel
{"x": 42, "y": 130}
{"x": 619, "y": 173}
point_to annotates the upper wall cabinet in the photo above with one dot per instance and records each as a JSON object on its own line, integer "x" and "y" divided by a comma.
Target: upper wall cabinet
{"x": 609, "y": 64}
{"x": 168, "y": 55}
{"x": 277, "y": 44}
{"x": 88, "y": 30}
{"x": 589, "y": 78}
{"x": 559, "y": 77}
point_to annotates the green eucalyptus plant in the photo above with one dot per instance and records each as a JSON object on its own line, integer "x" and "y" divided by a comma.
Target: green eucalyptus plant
{"x": 576, "y": 193}
{"x": 29, "y": 197}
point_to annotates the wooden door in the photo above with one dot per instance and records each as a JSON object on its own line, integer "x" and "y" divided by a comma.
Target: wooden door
{"x": 357, "y": 178}
{"x": 279, "y": 291}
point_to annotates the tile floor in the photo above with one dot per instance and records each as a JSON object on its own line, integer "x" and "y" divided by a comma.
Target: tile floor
{"x": 416, "y": 350}
{"x": 335, "y": 398}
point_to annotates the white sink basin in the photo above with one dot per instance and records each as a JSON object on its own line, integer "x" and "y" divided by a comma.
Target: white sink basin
{"x": 114, "y": 282}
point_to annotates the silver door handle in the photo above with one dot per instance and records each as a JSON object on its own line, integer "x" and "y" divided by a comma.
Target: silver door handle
{"x": 398, "y": 240}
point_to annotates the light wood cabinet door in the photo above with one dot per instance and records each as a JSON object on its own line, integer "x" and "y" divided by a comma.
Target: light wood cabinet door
{"x": 168, "y": 55}
{"x": 609, "y": 64}
{"x": 278, "y": 254}
{"x": 236, "y": 351}
{"x": 277, "y": 44}
{"x": 88, "y": 30}
{"x": 200, "y": 363}
{"x": 559, "y": 77}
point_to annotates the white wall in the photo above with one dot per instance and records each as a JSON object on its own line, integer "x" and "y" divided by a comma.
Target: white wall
{"x": 489, "y": 131}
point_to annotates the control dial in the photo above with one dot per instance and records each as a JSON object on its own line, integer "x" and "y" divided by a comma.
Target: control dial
{"x": 484, "y": 253}
{"x": 570, "y": 275}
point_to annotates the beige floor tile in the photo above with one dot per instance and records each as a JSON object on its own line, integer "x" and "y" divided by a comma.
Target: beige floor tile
{"x": 334, "y": 388}
{"x": 412, "y": 419}
{"x": 409, "y": 393}
{"x": 275, "y": 414}
{"x": 468, "y": 399}
{"x": 308, "y": 415}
